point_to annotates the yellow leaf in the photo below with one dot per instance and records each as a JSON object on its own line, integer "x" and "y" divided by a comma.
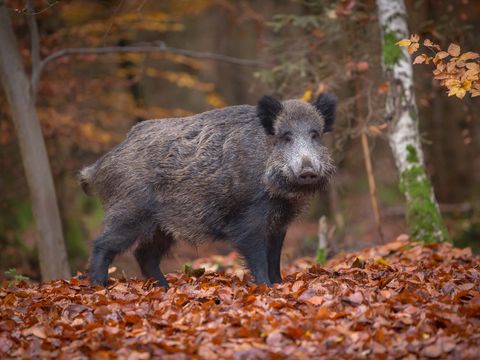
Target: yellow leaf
{"x": 454, "y": 50}
{"x": 307, "y": 96}
{"x": 461, "y": 93}
{"x": 413, "y": 47}
{"x": 458, "y": 91}
{"x": 382, "y": 261}
{"x": 404, "y": 42}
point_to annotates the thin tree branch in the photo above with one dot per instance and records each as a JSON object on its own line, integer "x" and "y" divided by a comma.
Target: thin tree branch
{"x": 146, "y": 48}
{"x": 25, "y": 9}
{"x": 34, "y": 46}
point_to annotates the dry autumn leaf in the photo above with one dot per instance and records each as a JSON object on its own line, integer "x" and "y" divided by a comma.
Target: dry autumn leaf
{"x": 413, "y": 47}
{"x": 454, "y": 50}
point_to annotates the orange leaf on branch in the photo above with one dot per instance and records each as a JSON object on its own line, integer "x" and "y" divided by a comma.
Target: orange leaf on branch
{"x": 459, "y": 73}
{"x": 420, "y": 59}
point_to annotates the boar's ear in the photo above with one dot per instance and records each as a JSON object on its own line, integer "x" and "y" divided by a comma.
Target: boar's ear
{"x": 326, "y": 105}
{"x": 268, "y": 109}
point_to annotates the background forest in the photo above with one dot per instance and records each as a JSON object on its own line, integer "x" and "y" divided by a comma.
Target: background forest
{"x": 215, "y": 53}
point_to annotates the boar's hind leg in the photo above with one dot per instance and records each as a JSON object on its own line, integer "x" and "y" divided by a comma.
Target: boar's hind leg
{"x": 275, "y": 243}
{"x": 117, "y": 237}
{"x": 149, "y": 253}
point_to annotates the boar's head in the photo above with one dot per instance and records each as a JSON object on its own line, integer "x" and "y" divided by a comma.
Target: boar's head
{"x": 298, "y": 162}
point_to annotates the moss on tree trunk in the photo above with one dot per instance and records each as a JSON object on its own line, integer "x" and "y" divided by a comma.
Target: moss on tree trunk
{"x": 423, "y": 216}
{"x": 391, "y": 51}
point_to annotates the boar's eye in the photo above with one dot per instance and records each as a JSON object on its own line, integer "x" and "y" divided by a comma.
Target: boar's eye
{"x": 286, "y": 137}
{"x": 315, "y": 135}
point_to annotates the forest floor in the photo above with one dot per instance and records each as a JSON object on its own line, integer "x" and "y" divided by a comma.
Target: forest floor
{"x": 399, "y": 300}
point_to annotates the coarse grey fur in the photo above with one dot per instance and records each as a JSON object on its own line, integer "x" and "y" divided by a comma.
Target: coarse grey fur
{"x": 240, "y": 173}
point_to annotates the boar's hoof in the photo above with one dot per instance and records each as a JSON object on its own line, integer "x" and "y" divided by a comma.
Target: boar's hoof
{"x": 99, "y": 281}
{"x": 160, "y": 283}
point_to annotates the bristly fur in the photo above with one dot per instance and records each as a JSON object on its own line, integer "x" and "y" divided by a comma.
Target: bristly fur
{"x": 268, "y": 109}
{"x": 326, "y": 104}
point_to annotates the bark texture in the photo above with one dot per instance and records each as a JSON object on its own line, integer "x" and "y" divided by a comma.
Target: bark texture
{"x": 423, "y": 216}
{"x": 51, "y": 245}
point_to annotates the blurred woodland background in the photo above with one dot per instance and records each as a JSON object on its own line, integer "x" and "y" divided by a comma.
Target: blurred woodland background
{"x": 215, "y": 53}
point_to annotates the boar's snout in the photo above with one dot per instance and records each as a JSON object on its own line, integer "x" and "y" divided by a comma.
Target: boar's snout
{"x": 307, "y": 176}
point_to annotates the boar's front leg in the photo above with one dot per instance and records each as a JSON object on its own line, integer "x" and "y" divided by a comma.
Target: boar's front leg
{"x": 253, "y": 248}
{"x": 249, "y": 240}
{"x": 149, "y": 253}
{"x": 275, "y": 243}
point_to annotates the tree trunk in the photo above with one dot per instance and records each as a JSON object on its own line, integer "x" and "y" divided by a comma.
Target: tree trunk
{"x": 423, "y": 216}
{"x": 53, "y": 256}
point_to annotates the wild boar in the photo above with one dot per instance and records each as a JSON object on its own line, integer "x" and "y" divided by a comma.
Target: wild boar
{"x": 240, "y": 173}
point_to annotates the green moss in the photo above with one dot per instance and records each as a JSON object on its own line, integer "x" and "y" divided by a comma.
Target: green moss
{"x": 424, "y": 220}
{"x": 321, "y": 256}
{"x": 391, "y": 52}
{"x": 412, "y": 156}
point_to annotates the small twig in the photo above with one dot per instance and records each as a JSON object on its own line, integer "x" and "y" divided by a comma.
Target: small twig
{"x": 159, "y": 47}
{"x": 34, "y": 45}
{"x": 371, "y": 184}
{"x": 367, "y": 157}
{"x": 321, "y": 255}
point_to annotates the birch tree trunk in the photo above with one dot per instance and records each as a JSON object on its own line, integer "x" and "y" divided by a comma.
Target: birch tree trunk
{"x": 51, "y": 245}
{"x": 423, "y": 216}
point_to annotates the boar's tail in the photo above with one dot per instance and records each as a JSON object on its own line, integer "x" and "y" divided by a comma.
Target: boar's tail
{"x": 85, "y": 177}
